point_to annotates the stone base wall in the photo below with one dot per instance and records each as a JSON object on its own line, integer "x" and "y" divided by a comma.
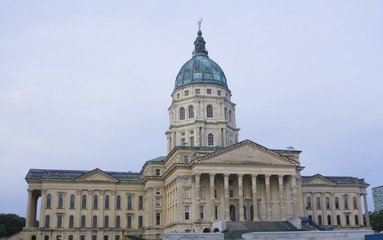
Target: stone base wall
{"x": 313, "y": 235}
{"x": 192, "y": 236}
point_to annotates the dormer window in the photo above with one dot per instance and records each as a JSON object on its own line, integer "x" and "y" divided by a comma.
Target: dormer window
{"x": 197, "y": 91}
{"x": 187, "y": 93}
{"x": 208, "y": 91}
{"x": 219, "y": 93}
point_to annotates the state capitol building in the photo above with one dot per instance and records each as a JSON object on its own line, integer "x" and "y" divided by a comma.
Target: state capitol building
{"x": 208, "y": 177}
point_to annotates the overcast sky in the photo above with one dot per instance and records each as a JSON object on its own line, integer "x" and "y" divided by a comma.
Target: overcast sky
{"x": 87, "y": 84}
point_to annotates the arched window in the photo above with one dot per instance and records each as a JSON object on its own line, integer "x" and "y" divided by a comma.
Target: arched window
{"x": 191, "y": 112}
{"x": 61, "y": 200}
{"x": 71, "y": 205}
{"x": 210, "y": 139}
{"x": 320, "y": 219}
{"x": 129, "y": 202}
{"x": 95, "y": 201}
{"x": 106, "y": 221}
{"x": 356, "y": 220}
{"x": 118, "y": 221}
{"x": 354, "y": 202}
{"x": 94, "y": 221}
{"x": 345, "y": 202}
{"x": 347, "y": 220}
{"x": 209, "y": 111}
{"x": 140, "y": 221}
{"x": 230, "y": 117}
{"x": 338, "y": 220}
{"x": 48, "y": 201}
{"x": 329, "y": 220}
{"x": 83, "y": 204}
{"x": 318, "y": 204}
{"x": 327, "y": 203}
{"x": 118, "y": 205}
{"x": 182, "y": 113}
{"x": 107, "y": 202}
{"x": 83, "y": 221}
{"x": 129, "y": 221}
{"x": 140, "y": 202}
{"x": 47, "y": 220}
{"x": 71, "y": 221}
{"x": 59, "y": 221}
{"x": 337, "y": 203}
{"x": 308, "y": 203}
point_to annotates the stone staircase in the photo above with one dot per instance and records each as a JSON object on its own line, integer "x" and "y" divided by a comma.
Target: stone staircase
{"x": 236, "y": 229}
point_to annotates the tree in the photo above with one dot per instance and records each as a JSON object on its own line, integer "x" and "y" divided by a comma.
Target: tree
{"x": 376, "y": 220}
{"x": 10, "y": 224}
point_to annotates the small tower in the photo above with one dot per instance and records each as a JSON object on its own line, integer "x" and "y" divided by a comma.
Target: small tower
{"x": 201, "y": 113}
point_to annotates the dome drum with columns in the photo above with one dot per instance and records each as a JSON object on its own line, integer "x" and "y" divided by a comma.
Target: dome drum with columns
{"x": 208, "y": 181}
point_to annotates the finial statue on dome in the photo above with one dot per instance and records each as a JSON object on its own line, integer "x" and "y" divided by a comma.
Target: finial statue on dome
{"x": 199, "y": 24}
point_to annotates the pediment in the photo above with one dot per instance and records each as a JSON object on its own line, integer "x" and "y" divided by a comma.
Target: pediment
{"x": 96, "y": 175}
{"x": 246, "y": 152}
{"x": 319, "y": 180}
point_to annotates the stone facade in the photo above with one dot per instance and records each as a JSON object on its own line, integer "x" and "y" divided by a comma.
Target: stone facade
{"x": 207, "y": 175}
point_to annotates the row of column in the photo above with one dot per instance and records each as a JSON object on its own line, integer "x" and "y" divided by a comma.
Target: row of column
{"x": 241, "y": 198}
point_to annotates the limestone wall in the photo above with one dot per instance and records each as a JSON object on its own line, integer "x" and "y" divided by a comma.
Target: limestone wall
{"x": 193, "y": 236}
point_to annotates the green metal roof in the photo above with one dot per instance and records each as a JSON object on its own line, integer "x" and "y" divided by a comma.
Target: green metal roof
{"x": 200, "y": 69}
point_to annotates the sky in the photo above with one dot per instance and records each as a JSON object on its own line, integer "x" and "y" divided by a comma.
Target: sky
{"x": 87, "y": 84}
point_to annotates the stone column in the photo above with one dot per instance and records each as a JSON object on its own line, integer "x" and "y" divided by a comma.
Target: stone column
{"x": 212, "y": 197}
{"x": 240, "y": 197}
{"x": 281, "y": 199}
{"x": 268, "y": 197}
{"x": 112, "y": 207}
{"x": 227, "y": 205}
{"x": 314, "y": 206}
{"x": 224, "y": 138}
{"x": 255, "y": 202}
{"x": 42, "y": 207}
{"x": 28, "y": 220}
{"x": 324, "y": 217}
{"x": 366, "y": 210}
{"x": 332, "y": 199}
{"x": 295, "y": 200}
{"x": 197, "y": 198}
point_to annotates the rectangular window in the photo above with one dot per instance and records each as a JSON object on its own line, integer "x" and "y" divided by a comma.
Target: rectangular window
{"x": 215, "y": 193}
{"x": 231, "y": 193}
{"x": 208, "y": 91}
{"x": 201, "y": 212}
{"x": 201, "y": 193}
{"x": 178, "y": 95}
{"x": 158, "y": 219}
{"x": 129, "y": 221}
{"x": 219, "y": 92}
{"x": 191, "y": 141}
{"x": 186, "y": 193}
{"x": 183, "y": 142}
{"x": 187, "y": 93}
{"x": 216, "y": 212}
{"x": 158, "y": 201}
{"x": 197, "y": 91}
{"x": 158, "y": 191}
{"x": 186, "y": 181}
{"x": 158, "y": 172}
{"x": 186, "y": 159}
{"x": 187, "y": 212}
{"x": 230, "y": 182}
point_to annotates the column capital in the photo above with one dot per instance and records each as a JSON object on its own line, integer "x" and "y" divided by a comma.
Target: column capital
{"x": 268, "y": 175}
{"x": 254, "y": 175}
{"x": 197, "y": 174}
{"x": 240, "y": 175}
{"x": 212, "y": 174}
{"x": 226, "y": 175}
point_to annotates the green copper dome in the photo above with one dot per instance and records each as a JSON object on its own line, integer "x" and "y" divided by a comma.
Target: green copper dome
{"x": 200, "y": 69}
